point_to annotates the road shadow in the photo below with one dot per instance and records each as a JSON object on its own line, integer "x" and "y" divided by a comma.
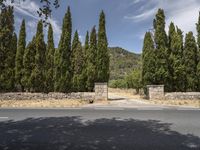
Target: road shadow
{"x": 72, "y": 133}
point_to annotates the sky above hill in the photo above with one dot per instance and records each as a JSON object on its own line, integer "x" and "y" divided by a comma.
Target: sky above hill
{"x": 126, "y": 20}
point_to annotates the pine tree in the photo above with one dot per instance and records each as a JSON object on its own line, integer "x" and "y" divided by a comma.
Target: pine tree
{"x": 29, "y": 64}
{"x": 38, "y": 72}
{"x": 77, "y": 64}
{"x": 102, "y": 62}
{"x": 161, "y": 67}
{"x": 190, "y": 61}
{"x": 7, "y": 50}
{"x": 148, "y": 61}
{"x": 19, "y": 56}
{"x": 91, "y": 62}
{"x": 50, "y": 61}
{"x": 63, "y": 75}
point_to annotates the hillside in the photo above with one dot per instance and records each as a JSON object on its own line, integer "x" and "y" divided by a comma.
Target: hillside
{"x": 122, "y": 62}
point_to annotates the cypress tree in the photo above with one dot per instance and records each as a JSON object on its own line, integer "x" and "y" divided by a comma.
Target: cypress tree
{"x": 177, "y": 62}
{"x": 85, "y": 51}
{"x": 102, "y": 62}
{"x": 50, "y": 61}
{"x": 38, "y": 72}
{"x": 198, "y": 44}
{"x": 86, "y": 43}
{"x": 91, "y": 62}
{"x": 63, "y": 75}
{"x": 190, "y": 61}
{"x": 148, "y": 61}
{"x": 171, "y": 59}
{"x": 28, "y": 66}
{"x": 11, "y": 64}
{"x": 77, "y": 64}
{"x": 19, "y": 56}
{"x": 7, "y": 50}
{"x": 161, "y": 67}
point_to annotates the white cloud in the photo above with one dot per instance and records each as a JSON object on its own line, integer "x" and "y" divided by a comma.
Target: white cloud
{"x": 184, "y": 13}
{"x": 29, "y": 8}
{"x": 142, "y": 16}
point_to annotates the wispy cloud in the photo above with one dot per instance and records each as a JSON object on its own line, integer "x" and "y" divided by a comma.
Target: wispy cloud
{"x": 29, "y": 8}
{"x": 183, "y": 13}
{"x": 144, "y": 15}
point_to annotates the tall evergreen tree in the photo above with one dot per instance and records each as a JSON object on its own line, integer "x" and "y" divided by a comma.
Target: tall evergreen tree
{"x": 86, "y": 43}
{"x": 50, "y": 60}
{"x": 7, "y": 50}
{"x": 198, "y": 43}
{"x": 77, "y": 64}
{"x": 38, "y": 72}
{"x": 91, "y": 62}
{"x": 102, "y": 62}
{"x": 148, "y": 61}
{"x": 63, "y": 74}
{"x": 161, "y": 67}
{"x": 191, "y": 60}
{"x": 171, "y": 49}
{"x": 28, "y": 66}
{"x": 177, "y": 62}
{"x": 19, "y": 56}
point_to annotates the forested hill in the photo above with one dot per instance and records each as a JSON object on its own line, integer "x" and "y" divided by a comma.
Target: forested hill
{"x": 122, "y": 62}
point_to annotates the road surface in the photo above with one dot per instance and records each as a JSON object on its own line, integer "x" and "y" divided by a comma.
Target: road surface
{"x": 99, "y": 129}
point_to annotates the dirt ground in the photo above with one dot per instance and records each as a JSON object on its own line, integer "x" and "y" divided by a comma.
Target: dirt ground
{"x": 42, "y": 103}
{"x": 131, "y": 94}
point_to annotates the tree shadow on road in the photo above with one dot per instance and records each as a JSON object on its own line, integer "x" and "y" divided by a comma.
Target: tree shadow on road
{"x": 72, "y": 133}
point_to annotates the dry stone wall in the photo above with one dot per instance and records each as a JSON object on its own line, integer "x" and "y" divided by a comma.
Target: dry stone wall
{"x": 156, "y": 92}
{"x": 101, "y": 93}
{"x": 49, "y": 96}
{"x": 183, "y": 96}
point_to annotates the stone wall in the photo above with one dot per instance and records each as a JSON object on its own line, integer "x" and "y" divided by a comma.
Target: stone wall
{"x": 182, "y": 96}
{"x": 101, "y": 91}
{"x": 155, "y": 92}
{"x": 49, "y": 96}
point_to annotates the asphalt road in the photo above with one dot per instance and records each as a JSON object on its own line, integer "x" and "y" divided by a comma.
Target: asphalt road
{"x": 99, "y": 129}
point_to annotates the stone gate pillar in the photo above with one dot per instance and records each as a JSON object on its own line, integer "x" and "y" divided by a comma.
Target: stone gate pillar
{"x": 155, "y": 92}
{"x": 101, "y": 91}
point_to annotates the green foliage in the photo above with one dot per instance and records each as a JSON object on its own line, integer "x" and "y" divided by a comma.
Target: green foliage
{"x": 62, "y": 73}
{"x": 38, "y": 73}
{"x": 161, "y": 67}
{"x": 50, "y": 61}
{"x": 119, "y": 83}
{"x": 19, "y": 56}
{"x": 103, "y": 60}
{"x": 191, "y": 62}
{"x": 7, "y": 49}
{"x": 122, "y": 62}
{"x": 29, "y": 64}
{"x": 77, "y": 64}
{"x": 91, "y": 62}
{"x": 133, "y": 80}
{"x": 148, "y": 61}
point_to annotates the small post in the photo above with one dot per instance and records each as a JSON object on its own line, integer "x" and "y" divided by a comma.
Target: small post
{"x": 155, "y": 92}
{"x": 101, "y": 91}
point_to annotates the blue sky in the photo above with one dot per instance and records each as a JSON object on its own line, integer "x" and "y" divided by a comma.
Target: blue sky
{"x": 126, "y": 20}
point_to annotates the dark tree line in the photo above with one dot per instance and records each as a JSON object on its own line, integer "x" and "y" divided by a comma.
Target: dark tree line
{"x": 170, "y": 60}
{"x": 40, "y": 67}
